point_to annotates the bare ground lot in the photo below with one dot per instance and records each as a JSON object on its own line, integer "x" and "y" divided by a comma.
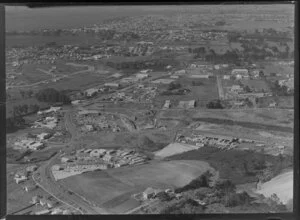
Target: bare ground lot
{"x": 105, "y": 186}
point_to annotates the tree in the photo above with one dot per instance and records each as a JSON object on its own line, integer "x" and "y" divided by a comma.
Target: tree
{"x": 215, "y": 104}
{"x": 22, "y": 92}
{"x": 261, "y": 74}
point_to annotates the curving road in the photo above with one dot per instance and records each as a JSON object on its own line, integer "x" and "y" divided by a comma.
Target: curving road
{"x": 46, "y": 181}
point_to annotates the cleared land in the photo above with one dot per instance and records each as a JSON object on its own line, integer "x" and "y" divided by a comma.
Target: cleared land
{"x": 281, "y": 185}
{"x": 104, "y": 187}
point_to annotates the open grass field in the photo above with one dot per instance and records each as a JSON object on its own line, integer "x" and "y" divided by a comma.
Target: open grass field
{"x": 275, "y": 117}
{"x": 256, "y": 85}
{"x": 77, "y": 82}
{"x": 174, "y": 148}
{"x": 282, "y": 102}
{"x": 104, "y": 187}
{"x": 282, "y": 185}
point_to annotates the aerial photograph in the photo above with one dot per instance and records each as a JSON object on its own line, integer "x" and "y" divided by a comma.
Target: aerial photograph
{"x": 149, "y": 109}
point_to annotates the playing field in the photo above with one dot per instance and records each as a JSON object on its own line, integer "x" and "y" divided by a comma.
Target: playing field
{"x": 112, "y": 188}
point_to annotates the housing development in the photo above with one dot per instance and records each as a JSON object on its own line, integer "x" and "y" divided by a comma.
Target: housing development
{"x": 177, "y": 111}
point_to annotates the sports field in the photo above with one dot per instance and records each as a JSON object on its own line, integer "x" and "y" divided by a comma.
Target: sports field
{"x": 112, "y": 188}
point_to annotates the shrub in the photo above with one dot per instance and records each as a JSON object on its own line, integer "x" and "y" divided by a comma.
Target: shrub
{"x": 225, "y": 187}
{"x": 173, "y": 86}
{"x": 201, "y": 181}
{"x": 236, "y": 199}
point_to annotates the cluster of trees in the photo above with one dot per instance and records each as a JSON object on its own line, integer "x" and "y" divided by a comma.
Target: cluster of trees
{"x": 197, "y": 83}
{"x": 26, "y": 94}
{"x": 279, "y": 90}
{"x": 173, "y": 86}
{"x": 215, "y": 104}
{"x": 220, "y": 23}
{"x": 52, "y": 95}
{"x": 20, "y": 110}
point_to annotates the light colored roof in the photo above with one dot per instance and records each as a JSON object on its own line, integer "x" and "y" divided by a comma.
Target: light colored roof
{"x": 149, "y": 190}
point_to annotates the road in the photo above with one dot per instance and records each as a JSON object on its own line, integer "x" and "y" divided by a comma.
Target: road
{"x": 57, "y": 190}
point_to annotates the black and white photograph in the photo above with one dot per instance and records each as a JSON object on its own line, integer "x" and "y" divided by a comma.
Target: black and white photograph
{"x": 149, "y": 109}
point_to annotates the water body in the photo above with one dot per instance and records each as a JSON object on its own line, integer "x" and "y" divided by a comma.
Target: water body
{"x": 23, "y": 18}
